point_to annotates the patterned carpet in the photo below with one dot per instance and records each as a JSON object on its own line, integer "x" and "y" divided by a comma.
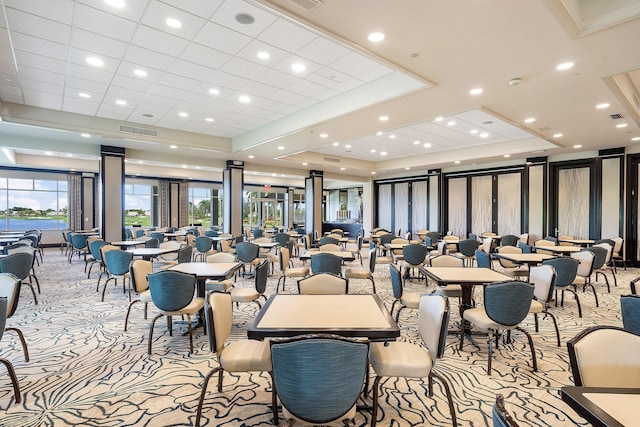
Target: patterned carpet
{"x": 85, "y": 370}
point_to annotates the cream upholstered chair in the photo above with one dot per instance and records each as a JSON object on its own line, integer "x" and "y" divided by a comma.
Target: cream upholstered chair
{"x": 236, "y": 356}
{"x": 215, "y": 285}
{"x": 397, "y": 254}
{"x": 253, "y": 294}
{"x": 583, "y": 275}
{"x": 284, "y": 257}
{"x": 448, "y": 261}
{"x": 451, "y": 243}
{"x": 511, "y": 267}
{"x": 363, "y": 273}
{"x": 170, "y": 258}
{"x": 565, "y": 237}
{"x": 543, "y": 278}
{"x": 408, "y": 360}
{"x": 543, "y": 242}
{"x": 330, "y": 247}
{"x": 607, "y": 263}
{"x": 323, "y": 284}
{"x": 617, "y": 255}
{"x": 605, "y": 356}
{"x": 138, "y": 272}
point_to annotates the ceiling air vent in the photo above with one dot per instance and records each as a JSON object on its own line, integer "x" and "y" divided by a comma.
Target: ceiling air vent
{"x": 138, "y": 131}
{"x": 331, "y": 159}
{"x": 616, "y": 116}
{"x": 308, "y": 5}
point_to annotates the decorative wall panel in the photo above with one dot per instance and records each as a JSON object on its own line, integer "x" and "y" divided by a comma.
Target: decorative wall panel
{"x": 509, "y": 203}
{"x": 434, "y": 203}
{"x": 573, "y": 202}
{"x": 611, "y": 198}
{"x": 419, "y": 205}
{"x": 457, "y": 208}
{"x": 536, "y": 203}
{"x": 384, "y": 204}
{"x": 481, "y": 197}
{"x": 401, "y": 208}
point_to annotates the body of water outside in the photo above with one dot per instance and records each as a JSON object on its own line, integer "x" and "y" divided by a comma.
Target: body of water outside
{"x": 32, "y": 224}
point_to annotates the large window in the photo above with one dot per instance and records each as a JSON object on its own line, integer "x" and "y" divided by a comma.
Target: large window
{"x": 141, "y": 202}
{"x": 205, "y": 204}
{"x": 263, "y": 208}
{"x": 298, "y": 207}
{"x": 37, "y": 202}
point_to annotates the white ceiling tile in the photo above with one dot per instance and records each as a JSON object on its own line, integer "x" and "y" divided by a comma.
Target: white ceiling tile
{"x": 93, "y": 42}
{"x": 16, "y": 99}
{"x": 258, "y": 89}
{"x": 132, "y": 83}
{"x": 137, "y": 117}
{"x": 62, "y": 12}
{"x": 126, "y": 69}
{"x": 192, "y": 109}
{"x": 38, "y": 27}
{"x": 230, "y": 105}
{"x": 286, "y": 97}
{"x": 105, "y": 24}
{"x": 84, "y": 85}
{"x": 374, "y": 73}
{"x": 169, "y": 92}
{"x": 50, "y": 104}
{"x": 42, "y": 75}
{"x": 285, "y": 66}
{"x": 36, "y": 85}
{"x": 79, "y": 102}
{"x": 160, "y": 100}
{"x": 89, "y": 73}
{"x": 348, "y": 85}
{"x": 79, "y": 109}
{"x": 156, "y": 110}
{"x": 79, "y": 57}
{"x": 126, "y": 94}
{"x": 157, "y": 13}
{"x": 305, "y": 88}
{"x": 148, "y": 58}
{"x": 203, "y": 8}
{"x": 197, "y": 53}
{"x": 326, "y": 94}
{"x": 195, "y": 126}
{"x": 322, "y": 80}
{"x": 229, "y": 81}
{"x": 158, "y": 41}
{"x": 172, "y": 121}
{"x": 222, "y": 39}
{"x": 250, "y": 53}
{"x": 41, "y": 62}
{"x": 25, "y": 43}
{"x": 178, "y": 82}
{"x": 190, "y": 70}
{"x": 277, "y": 78}
{"x": 226, "y": 15}
{"x": 287, "y": 36}
{"x": 132, "y": 12}
{"x": 272, "y": 105}
{"x": 201, "y": 98}
{"x": 10, "y": 90}
{"x": 354, "y": 64}
{"x": 243, "y": 68}
{"x": 109, "y": 104}
{"x": 114, "y": 115}
{"x": 7, "y": 68}
{"x": 323, "y": 51}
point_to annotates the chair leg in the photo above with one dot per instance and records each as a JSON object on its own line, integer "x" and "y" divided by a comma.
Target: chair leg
{"x": 555, "y": 324}
{"x": 274, "y": 401}
{"x": 374, "y": 398}
{"x": 533, "y": 352}
{"x": 33, "y": 292}
{"x": 462, "y": 332}
{"x": 398, "y": 312}
{"x": 606, "y": 279}
{"x": 104, "y": 289}
{"x": 33, "y": 275}
{"x": 447, "y": 391}
{"x": 14, "y": 380}
{"x": 203, "y": 392}
{"x": 594, "y": 293}
{"x": 373, "y": 284}
{"x": 190, "y": 333}
{"x": 490, "y": 343}
{"x": 153, "y": 322}
{"x": 535, "y": 318}
{"x": 126, "y": 319}
{"x": 25, "y": 350}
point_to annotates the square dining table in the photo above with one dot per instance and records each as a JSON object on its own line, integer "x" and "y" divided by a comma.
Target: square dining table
{"x": 530, "y": 259}
{"x": 149, "y": 253}
{"x": 346, "y": 315}
{"x": 559, "y": 250}
{"x": 345, "y": 255}
{"x": 603, "y": 406}
{"x": 207, "y": 271}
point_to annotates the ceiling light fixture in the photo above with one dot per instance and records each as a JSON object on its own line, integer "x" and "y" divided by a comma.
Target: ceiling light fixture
{"x": 147, "y": 115}
{"x": 183, "y": 114}
{"x": 347, "y": 146}
{"x": 457, "y": 162}
{"x": 305, "y": 164}
{"x": 602, "y": 106}
{"x": 439, "y": 119}
{"x": 94, "y": 61}
{"x": 214, "y": 91}
{"x": 85, "y": 135}
{"x": 264, "y": 55}
{"x": 476, "y": 91}
{"x": 298, "y": 67}
{"x": 373, "y": 150}
{"x": 84, "y": 95}
{"x": 173, "y": 23}
{"x": 244, "y": 99}
{"x": 252, "y": 156}
{"x": 383, "y": 118}
{"x": 557, "y": 135}
{"x": 484, "y": 135}
{"x": 342, "y": 169}
{"x": 473, "y": 131}
{"x": 140, "y": 73}
{"x": 335, "y": 144}
{"x": 577, "y": 146}
{"x": 373, "y": 173}
{"x": 280, "y": 147}
{"x": 407, "y": 169}
{"x": 379, "y": 133}
{"x": 383, "y": 153}
{"x": 115, "y": 3}
{"x": 376, "y": 37}
{"x": 121, "y": 102}
{"x": 427, "y": 145}
{"x": 636, "y": 138}
{"x": 507, "y": 155}
{"x": 622, "y": 125}
{"x": 451, "y": 123}
{"x": 515, "y": 81}
{"x": 184, "y": 166}
{"x": 530, "y": 120}
{"x": 173, "y": 147}
{"x": 564, "y": 66}
{"x": 48, "y": 153}
{"x": 209, "y": 119}
{"x": 323, "y": 135}
{"x": 416, "y": 142}
{"x": 392, "y": 136}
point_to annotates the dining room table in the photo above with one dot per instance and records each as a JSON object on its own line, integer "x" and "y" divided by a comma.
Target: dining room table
{"x": 363, "y": 316}
{"x": 127, "y": 243}
{"x": 520, "y": 258}
{"x": 149, "y": 253}
{"x": 345, "y": 255}
{"x": 578, "y": 242}
{"x": 604, "y": 406}
{"x": 558, "y": 249}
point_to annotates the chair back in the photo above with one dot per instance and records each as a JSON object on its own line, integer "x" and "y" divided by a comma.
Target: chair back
{"x": 152, "y": 242}
{"x": 542, "y": 277}
{"x": 284, "y": 256}
{"x": 12, "y": 249}
{"x": 386, "y": 238}
{"x": 79, "y": 241}
{"x": 396, "y": 281}
{"x": 526, "y": 249}
{"x": 508, "y": 250}
{"x": 3, "y": 315}
{"x": 35, "y": 239}
{"x": 117, "y": 261}
{"x": 566, "y": 270}
{"x": 246, "y": 251}
{"x": 483, "y": 259}
{"x": 585, "y": 258}
{"x": 433, "y": 319}
{"x": 138, "y": 272}
{"x": 211, "y": 233}
{"x": 600, "y": 254}
{"x": 157, "y": 235}
{"x": 203, "y": 244}
{"x": 338, "y": 231}
{"x": 565, "y": 237}
{"x": 630, "y": 308}
{"x": 185, "y": 254}
{"x": 523, "y": 238}
{"x": 10, "y": 290}
{"x": 222, "y": 257}
{"x": 605, "y": 356}
{"x": 171, "y": 290}
{"x": 608, "y": 247}
{"x": 257, "y": 232}
{"x": 508, "y": 303}
{"x": 487, "y": 243}
{"x": 617, "y": 247}
{"x": 261, "y": 275}
{"x": 95, "y": 249}
{"x": 315, "y": 389}
{"x": 446, "y": 261}
{"x": 500, "y": 416}
{"x": 323, "y": 284}
{"x": 414, "y": 254}
{"x": 434, "y": 236}
{"x": 330, "y": 247}
{"x": 282, "y": 238}
{"x": 372, "y": 261}
{"x": 18, "y": 264}
{"x": 324, "y": 262}
{"x": 218, "y": 313}
{"x": 329, "y": 241}
{"x": 171, "y": 244}
{"x": 139, "y": 232}
{"x": 509, "y": 240}
{"x": 467, "y": 247}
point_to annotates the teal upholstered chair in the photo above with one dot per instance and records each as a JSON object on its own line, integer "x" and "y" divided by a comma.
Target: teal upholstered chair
{"x": 326, "y": 263}
{"x": 20, "y": 265}
{"x": 246, "y": 294}
{"x": 204, "y": 247}
{"x": 5, "y": 362}
{"x": 78, "y": 246}
{"x": 566, "y": 270}
{"x": 404, "y": 300}
{"x": 483, "y": 259}
{"x": 10, "y": 289}
{"x": 413, "y": 256}
{"x": 318, "y": 390}
{"x": 96, "y": 254}
{"x": 630, "y": 307}
{"x": 117, "y": 264}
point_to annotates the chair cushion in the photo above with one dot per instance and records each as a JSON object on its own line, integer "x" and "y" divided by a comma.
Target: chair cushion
{"x": 449, "y": 291}
{"x": 579, "y": 280}
{"x": 399, "y": 359}
{"x": 246, "y": 355}
{"x": 297, "y": 272}
{"x": 384, "y": 260}
{"x": 357, "y": 273}
{"x": 194, "y": 306}
{"x": 145, "y": 296}
{"x": 536, "y": 307}
{"x": 214, "y": 285}
{"x": 478, "y": 317}
{"x": 411, "y": 299}
{"x": 243, "y": 294}
{"x": 348, "y": 416}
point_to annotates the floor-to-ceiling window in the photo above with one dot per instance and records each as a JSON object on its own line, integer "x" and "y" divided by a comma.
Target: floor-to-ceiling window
{"x": 298, "y": 207}
{"x": 141, "y": 202}
{"x": 264, "y": 207}
{"x": 205, "y": 204}
{"x": 33, "y": 200}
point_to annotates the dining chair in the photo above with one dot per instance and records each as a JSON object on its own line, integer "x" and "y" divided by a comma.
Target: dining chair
{"x": 330, "y": 247}
{"x": 605, "y": 356}
{"x": 20, "y": 265}
{"x": 219, "y": 285}
{"x": 483, "y": 259}
{"x": 543, "y": 277}
{"x": 506, "y": 305}
{"x": 510, "y": 267}
{"x": 566, "y": 270}
{"x": 30, "y": 250}
{"x": 170, "y": 258}
{"x": 565, "y": 237}
{"x": 329, "y": 241}
{"x": 247, "y": 254}
{"x": 409, "y": 360}
{"x": 323, "y": 284}
{"x": 78, "y": 246}
{"x": 363, "y": 273}
{"x": 253, "y": 294}
{"x": 172, "y": 293}
{"x": 157, "y": 235}
{"x": 413, "y": 256}
{"x": 608, "y": 265}
{"x": 96, "y": 254}
{"x": 630, "y": 310}
{"x": 318, "y": 390}
{"x": 467, "y": 250}
{"x": 203, "y": 247}
{"x": 284, "y": 258}
{"x": 151, "y": 242}
{"x": 617, "y": 255}
{"x": 234, "y": 357}
{"x": 12, "y": 373}
{"x": 117, "y": 264}
{"x": 404, "y": 300}
{"x": 453, "y": 290}
{"x": 325, "y": 262}
{"x": 583, "y": 274}
{"x": 499, "y": 414}
{"x": 138, "y": 272}
{"x": 526, "y": 249}
{"x": 508, "y": 240}
{"x": 10, "y": 289}
{"x": 185, "y": 254}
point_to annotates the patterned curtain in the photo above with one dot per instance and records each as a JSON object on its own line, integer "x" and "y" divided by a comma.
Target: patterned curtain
{"x": 384, "y": 204}
{"x": 401, "y": 203}
{"x": 74, "y": 183}
{"x": 183, "y": 209}
{"x": 481, "y": 197}
{"x": 163, "y": 203}
{"x": 509, "y": 205}
{"x": 419, "y": 205}
{"x": 573, "y": 202}
{"x": 458, "y": 206}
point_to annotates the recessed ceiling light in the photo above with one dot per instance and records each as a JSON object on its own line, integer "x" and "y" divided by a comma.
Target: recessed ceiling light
{"x": 252, "y": 157}
{"x": 564, "y": 66}
{"x": 173, "y": 23}
{"x": 264, "y": 55}
{"x": 335, "y": 144}
{"x": 427, "y": 145}
{"x": 476, "y": 91}
{"x": 603, "y": 105}
{"x": 407, "y": 169}
{"x": 184, "y": 166}
{"x": 379, "y": 133}
{"x": 84, "y": 95}
{"x": 507, "y": 155}
{"x": 209, "y": 119}
{"x": 198, "y": 167}
{"x": 244, "y": 99}
{"x": 140, "y": 162}
{"x": 183, "y": 114}
{"x": 342, "y": 169}
{"x": 451, "y": 123}
{"x": 636, "y": 138}
{"x": 280, "y": 147}
{"x": 622, "y": 125}
{"x": 376, "y": 37}
{"x": 473, "y": 131}
{"x": 577, "y": 146}
{"x": 115, "y": 3}
{"x": 245, "y": 19}
{"x": 557, "y": 135}
{"x": 383, "y": 153}
{"x": 457, "y": 162}
{"x": 530, "y": 120}
{"x": 298, "y": 67}
{"x": 94, "y": 61}
{"x": 85, "y": 135}
{"x": 416, "y": 142}
{"x": 69, "y": 155}
{"x": 373, "y": 150}
{"x": 274, "y": 174}
{"x": 214, "y": 91}
{"x": 373, "y": 173}
{"x": 121, "y": 102}
{"x": 484, "y": 135}
{"x": 323, "y": 135}
{"x": 140, "y": 73}
{"x": 48, "y": 153}
{"x": 173, "y": 146}
{"x": 392, "y": 136}
{"x": 439, "y": 119}
{"x": 305, "y": 164}
{"x": 347, "y": 146}
{"x": 383, "y": 118}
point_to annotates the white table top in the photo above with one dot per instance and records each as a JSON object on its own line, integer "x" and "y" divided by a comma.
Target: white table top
{"x": 525, "y": 258}
{"x": 207, "y": 270}
{"x": 346, "y": 255}
{"x": 465, "y": 275}
{"x": 559, "y": 249}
